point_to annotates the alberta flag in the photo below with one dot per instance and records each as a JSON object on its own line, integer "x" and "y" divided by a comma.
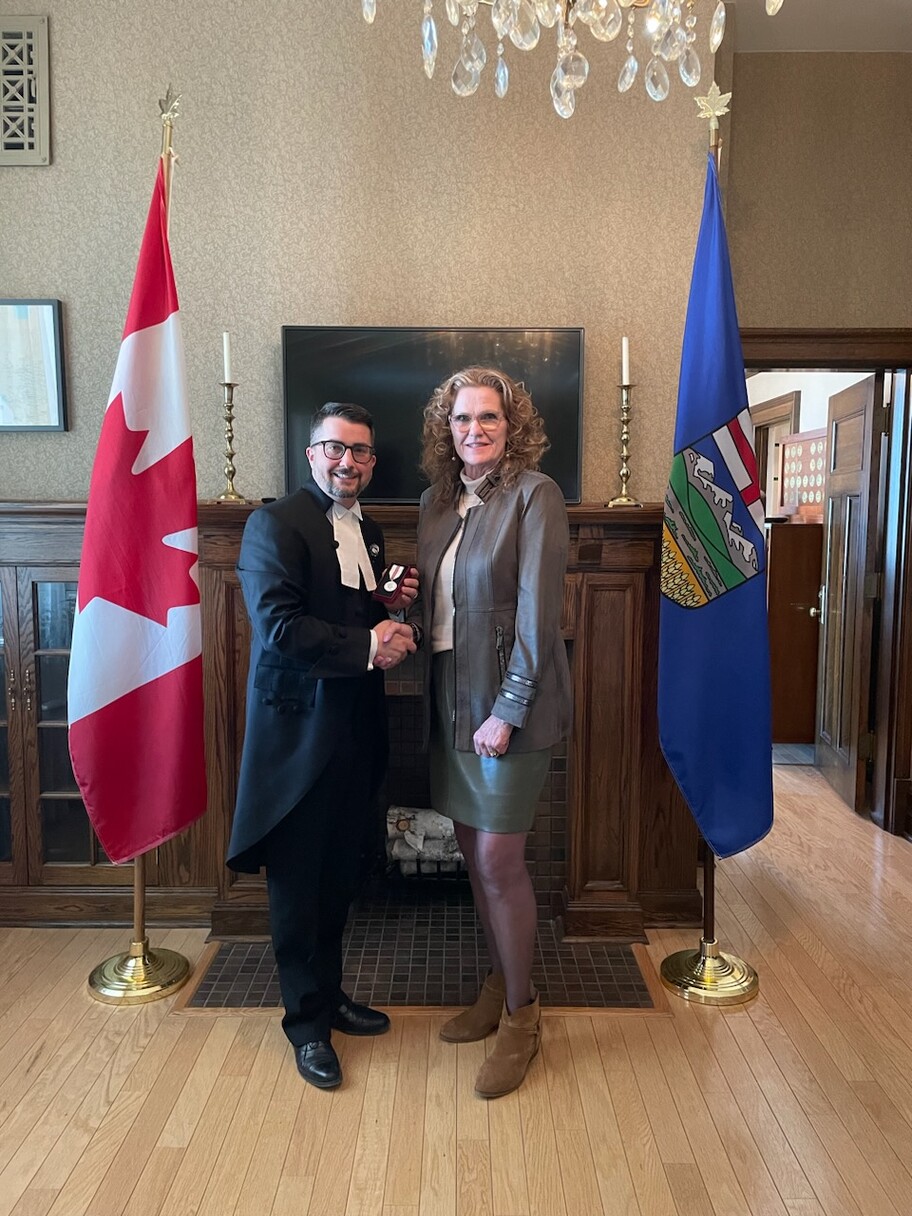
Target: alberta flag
{"x": 136, "y": 683}
{"x": 714, "y": 682}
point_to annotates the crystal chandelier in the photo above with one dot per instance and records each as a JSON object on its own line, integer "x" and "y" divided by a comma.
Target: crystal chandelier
{"x": 664, "y": 35}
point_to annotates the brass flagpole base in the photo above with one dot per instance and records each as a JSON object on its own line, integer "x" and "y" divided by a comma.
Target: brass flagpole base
{"x": 138, "y": 976}
{"x": 624, "y": 500}
{"x": 709, "y": 977}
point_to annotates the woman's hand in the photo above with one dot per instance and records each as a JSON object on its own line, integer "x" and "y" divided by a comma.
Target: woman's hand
{"x": 407, "y": 594}
{"x": 493, "y": 737}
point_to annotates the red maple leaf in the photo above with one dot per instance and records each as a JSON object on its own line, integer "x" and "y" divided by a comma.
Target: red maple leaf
{"x": 124, "y": 557}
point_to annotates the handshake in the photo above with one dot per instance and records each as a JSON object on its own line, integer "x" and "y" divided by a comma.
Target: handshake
{"x": 394, "y": 642}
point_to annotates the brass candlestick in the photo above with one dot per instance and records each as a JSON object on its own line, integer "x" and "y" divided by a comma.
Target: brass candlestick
{"x": 229, "y": 494}
{"x": 623, "y": 499}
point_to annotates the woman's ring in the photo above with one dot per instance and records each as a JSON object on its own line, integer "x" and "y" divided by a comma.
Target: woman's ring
{"x": 495, "y": 755}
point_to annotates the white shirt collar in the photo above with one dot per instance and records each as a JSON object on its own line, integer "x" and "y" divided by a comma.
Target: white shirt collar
{"x": 339, "y": 511}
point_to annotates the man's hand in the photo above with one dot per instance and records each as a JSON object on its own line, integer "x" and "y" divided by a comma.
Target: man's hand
{"x": 394, "y": 642}
{"x": 406, "y": 595}
{"x": 493, "y": 737}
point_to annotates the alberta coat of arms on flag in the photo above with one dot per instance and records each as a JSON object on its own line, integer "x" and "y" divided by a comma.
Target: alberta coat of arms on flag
{"x": 713, "y": 517}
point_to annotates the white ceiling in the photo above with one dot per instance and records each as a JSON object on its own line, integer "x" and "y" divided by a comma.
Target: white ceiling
{"x": 825, "y": 25}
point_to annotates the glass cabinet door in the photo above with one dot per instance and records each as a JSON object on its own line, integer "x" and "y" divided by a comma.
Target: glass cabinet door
{"x": 62, "y": 846}
{"x": 13, "y": 868}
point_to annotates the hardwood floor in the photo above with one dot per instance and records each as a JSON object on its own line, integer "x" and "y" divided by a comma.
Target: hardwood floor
{"x": 799, "y": 1104}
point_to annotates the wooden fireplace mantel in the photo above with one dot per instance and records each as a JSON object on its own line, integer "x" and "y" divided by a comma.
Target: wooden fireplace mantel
{"x": 631, "y": 845}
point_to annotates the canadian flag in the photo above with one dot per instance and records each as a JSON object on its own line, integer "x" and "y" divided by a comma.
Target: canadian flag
{"x": 136, "y": 680}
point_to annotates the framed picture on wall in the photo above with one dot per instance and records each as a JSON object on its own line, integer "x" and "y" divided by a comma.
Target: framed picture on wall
{"x": 32, "y": 383}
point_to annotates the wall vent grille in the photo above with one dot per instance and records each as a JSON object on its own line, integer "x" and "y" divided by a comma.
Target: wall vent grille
{"x": 24, "y": 92}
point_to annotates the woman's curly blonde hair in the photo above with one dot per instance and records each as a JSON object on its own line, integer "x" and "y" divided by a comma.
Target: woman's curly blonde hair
{"x": 526, "y": 438}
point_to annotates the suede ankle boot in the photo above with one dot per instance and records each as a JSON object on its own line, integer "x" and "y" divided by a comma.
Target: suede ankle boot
{"x": 479, "y": 1019}
{"x": 517, "y": 1044}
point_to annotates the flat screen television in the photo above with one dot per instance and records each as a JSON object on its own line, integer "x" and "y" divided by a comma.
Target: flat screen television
{"x": 392, "y": 373}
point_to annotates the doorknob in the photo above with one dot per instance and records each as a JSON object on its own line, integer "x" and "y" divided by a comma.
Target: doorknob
{"x": 818, "y": 611}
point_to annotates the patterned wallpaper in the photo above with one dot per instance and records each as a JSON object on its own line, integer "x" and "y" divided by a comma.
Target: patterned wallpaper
{"x": 820, "y": 178}
{"x": 323, "y": 180}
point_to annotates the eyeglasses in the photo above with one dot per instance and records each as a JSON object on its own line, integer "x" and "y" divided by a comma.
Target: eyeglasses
{"x": 487, "y": 422}
{"x": 335, "y": 449}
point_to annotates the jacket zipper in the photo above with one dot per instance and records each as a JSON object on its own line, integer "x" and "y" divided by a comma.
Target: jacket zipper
{"x": 501, "y": 653}
{"x": 465, "y": 520}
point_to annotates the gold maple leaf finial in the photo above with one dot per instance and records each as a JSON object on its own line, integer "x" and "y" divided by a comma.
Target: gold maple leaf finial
{"x": 713, "y": 105}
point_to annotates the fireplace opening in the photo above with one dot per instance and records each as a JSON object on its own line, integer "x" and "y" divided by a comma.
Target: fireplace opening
{"x": 412, "y": 820}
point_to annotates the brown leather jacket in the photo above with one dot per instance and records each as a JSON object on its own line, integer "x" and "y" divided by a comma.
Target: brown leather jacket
{"x": 508, "y": 588}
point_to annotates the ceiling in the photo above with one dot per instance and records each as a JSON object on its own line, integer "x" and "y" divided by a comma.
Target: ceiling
{"x": 824, "y": 25}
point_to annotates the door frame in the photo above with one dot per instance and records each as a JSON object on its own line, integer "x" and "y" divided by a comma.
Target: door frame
{"x": 886, "y": 351}
{"x": 764, "y": 415}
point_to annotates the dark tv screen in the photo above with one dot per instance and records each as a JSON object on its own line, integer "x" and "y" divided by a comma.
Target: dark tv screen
{"x": 392, "y": 373}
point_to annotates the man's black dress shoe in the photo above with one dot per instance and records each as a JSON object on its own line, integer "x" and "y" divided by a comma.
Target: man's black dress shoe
{"x": 319, "y": 1064}
{"x": 359, "y": 1019}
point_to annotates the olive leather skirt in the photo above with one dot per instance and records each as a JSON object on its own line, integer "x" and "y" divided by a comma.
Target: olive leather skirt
{"x": 490, "y": 794}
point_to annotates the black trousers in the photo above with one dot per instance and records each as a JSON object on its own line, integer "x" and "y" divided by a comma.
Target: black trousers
{"x": 313, "y": 870}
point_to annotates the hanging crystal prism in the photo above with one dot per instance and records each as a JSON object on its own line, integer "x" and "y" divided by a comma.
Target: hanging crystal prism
{"x": 658, "y": 17}
{"x": 773, "y": 7}
{"x": 503, "y": 14}
{"x": 369, "y": 10}
{"x": 672, "y": 44}
{"x": 606, "y": 24}
{"x": 465, "y": 78}
{"x": 453, "y": 12}
{"x": 525, "y": 31}
{"x": 547, "y": 12}
{"x": 564, "y": 98}
{"x": 628, "y": 73}
{"x": 583, "y": 10}
{"x": 501, "y": 74}
{"x": 689, "y": 68}
{"x": 474, "y": 53}
{"x": 717, "y": 27}
{"x": 429, "y": 42}
{"x": 656, "y": 78}
{"x": 574, "y": 69}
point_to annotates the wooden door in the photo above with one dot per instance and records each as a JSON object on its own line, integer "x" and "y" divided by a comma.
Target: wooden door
{"x": 793, "y": 580}
{"x": 846, "y": 620}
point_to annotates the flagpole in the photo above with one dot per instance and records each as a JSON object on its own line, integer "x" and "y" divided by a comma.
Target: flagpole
{"x": 709, "y": 976}
{"x": 141, "y": 974}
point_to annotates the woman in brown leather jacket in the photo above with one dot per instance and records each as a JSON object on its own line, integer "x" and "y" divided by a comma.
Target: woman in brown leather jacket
{"x": 492, "y": 553}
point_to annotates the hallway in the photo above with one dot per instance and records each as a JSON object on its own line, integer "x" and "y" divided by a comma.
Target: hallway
{"x": 797, "y": 1105}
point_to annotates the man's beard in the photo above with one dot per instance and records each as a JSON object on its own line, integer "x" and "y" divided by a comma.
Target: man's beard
{"x": 335, "y": 490}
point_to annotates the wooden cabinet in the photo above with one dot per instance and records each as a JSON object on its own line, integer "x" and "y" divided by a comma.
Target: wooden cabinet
{"x": 47, "y": 838}
{"x": 52, "y": 867}
{"x": 623, "y": 859}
